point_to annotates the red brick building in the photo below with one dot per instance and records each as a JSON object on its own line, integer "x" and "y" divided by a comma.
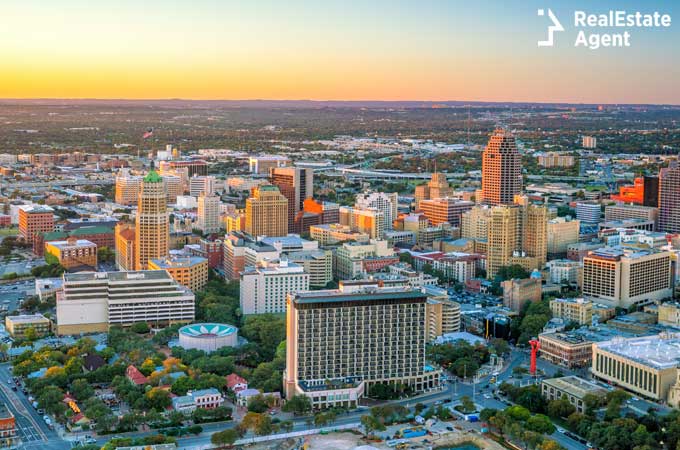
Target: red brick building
{"x": 35, "y": 219}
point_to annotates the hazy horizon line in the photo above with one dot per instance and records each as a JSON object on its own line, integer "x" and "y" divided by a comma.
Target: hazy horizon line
{"x": 302, "y": 100}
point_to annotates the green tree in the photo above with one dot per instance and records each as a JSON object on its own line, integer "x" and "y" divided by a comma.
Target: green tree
{"x": 158, "y": 399}
{"x": 140, "y": 328}
{"x": 225, "y": 437}
{"x": 560, "y": 408}
{"x": 106, "y": 255}
{"x": 182, "y": 385}
{"x": 81, "y": 389}
{"x": 467, "y": 404}
{"x": 465, "y": 367}
{"x": 257, "y": 404}
{"x": 540, "y": 424}
{"x": 371, "y": 424}
{"x": 298, "y": 404}
{"x": 50, "y": 399}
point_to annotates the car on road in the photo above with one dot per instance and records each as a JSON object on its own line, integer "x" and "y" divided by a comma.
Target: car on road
{"x": 560, "y": 430}
{"x": 90, "y": 440}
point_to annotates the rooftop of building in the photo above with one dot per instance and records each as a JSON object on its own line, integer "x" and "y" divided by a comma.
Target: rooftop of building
{"x": 568, "y": 337}
{"x": 118, "y": 276}
{"x": 658, "y": 351}
{"x": 153, "y": 177}
{"x": 27, "y": 318}
{"x": 274, "y": 267}
{"x": 91, "y": 229}
{"x": 307, "y": 255}
{"x": 575, "y": 386}
{"x": 178, "y": 262}
{"x": 580, "y": 301}
{"x": 617, "y": 252}
{"x": 76, "y": 243}
{"x": 291, "y": 240}
{"x": 36, "y": 209}
{"x": 370, "y": 293}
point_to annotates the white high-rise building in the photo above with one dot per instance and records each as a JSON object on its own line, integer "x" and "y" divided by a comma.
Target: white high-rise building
{"x": 201, "y": 185}
{"x": 208, "y": 214}
{"x": 382, "y": 201}
{"x": 264, "y": 287}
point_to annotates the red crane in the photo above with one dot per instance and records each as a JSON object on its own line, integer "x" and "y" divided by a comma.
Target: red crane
{"x": 535, "y": 345}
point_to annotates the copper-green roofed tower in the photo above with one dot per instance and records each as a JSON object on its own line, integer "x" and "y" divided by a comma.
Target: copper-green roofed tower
{"x": 153, "y": 177}
{"x": 152, "y": 225}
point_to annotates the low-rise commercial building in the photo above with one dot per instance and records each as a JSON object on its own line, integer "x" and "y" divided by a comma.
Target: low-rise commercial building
{"x": 200, "y": 399}
{"x": 565, "y": 271}
{"x": 8, "y": 428}
{"x": 519, "y": 292}
{"x": 566, "y": 349}
{"x": 576, "y": 310}
{"x": 669, "y": 314}
{"x": 354, "y": 259}
{"x": 189, "y": 271}
{"x": 647, "y": 366}
{"x": 17, "y": 326}
{"x": 72, "y": 253}
{"x": 573, "y": 388}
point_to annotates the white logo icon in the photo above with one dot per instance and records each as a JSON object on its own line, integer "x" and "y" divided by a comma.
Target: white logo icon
{"x": 556, "y": 26}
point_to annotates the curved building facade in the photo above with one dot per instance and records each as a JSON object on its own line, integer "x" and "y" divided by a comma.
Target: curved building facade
{"x": 208, "y": 336}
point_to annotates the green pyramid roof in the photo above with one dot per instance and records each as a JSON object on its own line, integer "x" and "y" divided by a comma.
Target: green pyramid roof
{"x": 153, "y": 177}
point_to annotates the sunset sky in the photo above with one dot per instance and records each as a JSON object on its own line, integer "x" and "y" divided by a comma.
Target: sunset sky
{"x": 482, "y": 50}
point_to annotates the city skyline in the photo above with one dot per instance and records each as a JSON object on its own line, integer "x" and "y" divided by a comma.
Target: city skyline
{"x": 438, "y": 51}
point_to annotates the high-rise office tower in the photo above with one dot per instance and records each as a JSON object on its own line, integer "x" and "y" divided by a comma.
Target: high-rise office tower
{"x": 152, "y": 225}
{"x": 340, "y": 343}
{"x": 501, "y": 169}
{"x": 364, "y": 220}
{"x": 127, "y": 187}
{"x": 534, "y": 232}
{"x": 444, "y": 209}
{"x": 439, "y": 186}
{"x": 651, "y": 191}
{"x": 669, "y": 198}
{"x": 386, "y": 203}
{"x": 267, "y": 212}
{"x": 296, "y": 184}
{"x": 503, "y": 237}
{"x": 208, "y": 214}
{"x": 517, "y": 234}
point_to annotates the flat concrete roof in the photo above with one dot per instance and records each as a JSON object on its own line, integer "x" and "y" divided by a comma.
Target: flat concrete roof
{"x": 575, "y": 386}
{"x": 655, "y": 351}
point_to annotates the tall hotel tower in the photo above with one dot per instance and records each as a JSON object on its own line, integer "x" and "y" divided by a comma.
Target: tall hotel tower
{"x": 669, "y": 198}
{"x": 501, "y": 169}
{"x": 152, "y": 226}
